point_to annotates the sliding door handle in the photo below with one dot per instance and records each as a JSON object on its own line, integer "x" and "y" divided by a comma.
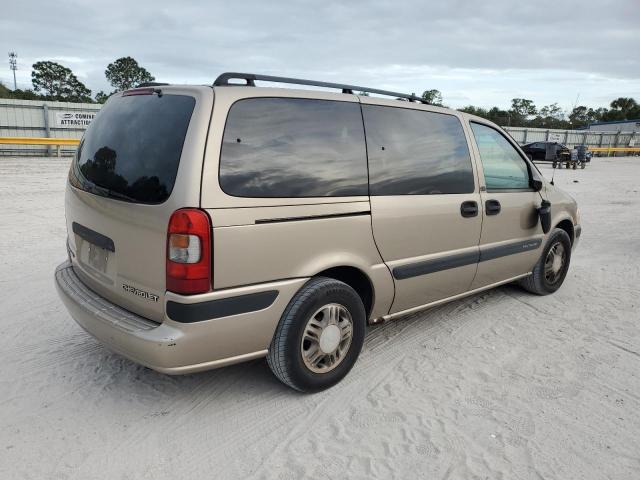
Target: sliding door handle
{"x": 469, "y": 209}
{"x": 492, "y": 207}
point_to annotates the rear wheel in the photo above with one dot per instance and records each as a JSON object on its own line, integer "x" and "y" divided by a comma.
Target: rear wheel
{"x": 319, "y": 336}
{"x": 551, "y": 269}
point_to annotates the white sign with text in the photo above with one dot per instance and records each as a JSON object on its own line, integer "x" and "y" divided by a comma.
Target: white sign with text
{"x": 73, "y": 119}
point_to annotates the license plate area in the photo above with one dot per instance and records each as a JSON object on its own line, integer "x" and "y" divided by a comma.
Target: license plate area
{"x": 98, "y": 258}
{"x": 97, "y": 261}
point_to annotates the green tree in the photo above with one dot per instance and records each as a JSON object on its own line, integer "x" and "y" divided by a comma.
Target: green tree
{"x": 550, "y": 116}
{"x": 433, "y": 97}
{"x": 624, "y": 108}
{"x": 18, "y": 94}
{"x": 579, "y": 116}
{"x": 57, "y": 82}
{"x": 521, "y": 110}
{"x": 125, "y": 73}
{"x": 477, "y": 111}
{"x": 101, "y": 97}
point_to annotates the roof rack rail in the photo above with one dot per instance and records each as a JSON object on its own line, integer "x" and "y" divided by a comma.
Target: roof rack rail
{"x": 250, "y": 78}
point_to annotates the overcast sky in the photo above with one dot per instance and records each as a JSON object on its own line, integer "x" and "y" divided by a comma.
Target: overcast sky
{"x": 481, "y": 52}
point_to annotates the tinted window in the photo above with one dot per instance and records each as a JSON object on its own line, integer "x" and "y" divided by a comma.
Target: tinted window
{"x": 289, "y": 147}
{"x": 503, "y": 166}
{"x": 412, "y": 152}
{"x": 132, "y": 148}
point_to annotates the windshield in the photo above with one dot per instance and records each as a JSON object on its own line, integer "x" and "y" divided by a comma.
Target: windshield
{"x": 131, "y": 150}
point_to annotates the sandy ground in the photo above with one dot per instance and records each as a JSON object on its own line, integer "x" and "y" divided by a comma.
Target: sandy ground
{"x": 500, "y": 385}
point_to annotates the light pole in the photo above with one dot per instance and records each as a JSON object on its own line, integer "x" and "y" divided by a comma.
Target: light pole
{"x": 13, "y": 65}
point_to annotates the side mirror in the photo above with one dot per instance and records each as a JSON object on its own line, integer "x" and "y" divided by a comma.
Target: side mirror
{"x": 536, "y": 184}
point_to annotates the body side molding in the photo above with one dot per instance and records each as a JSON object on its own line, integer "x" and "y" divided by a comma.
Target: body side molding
{"x": 223, "y": 307}
{"x": 425, "y": 267}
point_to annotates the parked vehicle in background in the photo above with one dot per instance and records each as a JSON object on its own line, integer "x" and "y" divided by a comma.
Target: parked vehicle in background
{"x": 536, "y": 152}
{"x": 213, "y": 225}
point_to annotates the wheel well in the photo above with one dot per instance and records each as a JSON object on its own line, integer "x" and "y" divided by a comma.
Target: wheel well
{"x": 567, "y": 226}
{"x": 356, "y": 279}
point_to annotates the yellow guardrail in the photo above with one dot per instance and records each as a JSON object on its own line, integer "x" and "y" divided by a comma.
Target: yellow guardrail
{"x": 58, "y": 142}
{"x": 38, "y": 141}
{"x": 614, "y": 149}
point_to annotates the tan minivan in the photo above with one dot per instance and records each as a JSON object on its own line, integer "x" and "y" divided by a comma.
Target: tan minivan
{"x": 213, "y": 225}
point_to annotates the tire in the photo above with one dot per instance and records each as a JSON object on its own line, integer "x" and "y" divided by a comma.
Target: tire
{"x": 539, "y": 282}
{"x": 530, "y": 157}
{"x": 554, "y": 165}
{"x": 287, "y": 355}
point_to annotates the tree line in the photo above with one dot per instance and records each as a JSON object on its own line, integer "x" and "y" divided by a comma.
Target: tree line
{"x": 524, "y": 112}
{"x": 52, "y": 81}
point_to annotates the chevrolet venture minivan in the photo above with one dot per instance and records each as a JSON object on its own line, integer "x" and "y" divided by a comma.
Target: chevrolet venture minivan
{"x": 211, "y": 225}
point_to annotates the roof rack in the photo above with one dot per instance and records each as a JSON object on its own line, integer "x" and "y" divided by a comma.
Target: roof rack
{"x": 250, "y": 78}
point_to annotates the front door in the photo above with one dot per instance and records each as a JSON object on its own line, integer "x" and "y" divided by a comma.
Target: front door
{"x": 511, "y": 239}
{"x": 425, "y": 201}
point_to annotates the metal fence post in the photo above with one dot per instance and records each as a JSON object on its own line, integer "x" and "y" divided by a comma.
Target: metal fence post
{"x": 547, "y": 139}
{"x": 526, "y": 130}
{"x": 47, "y": 132}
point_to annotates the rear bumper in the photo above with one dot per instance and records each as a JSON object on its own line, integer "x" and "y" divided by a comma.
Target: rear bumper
{"x": 175, "y": 347}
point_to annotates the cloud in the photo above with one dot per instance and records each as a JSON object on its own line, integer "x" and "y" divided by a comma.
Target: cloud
{"x": 480, "y": 52}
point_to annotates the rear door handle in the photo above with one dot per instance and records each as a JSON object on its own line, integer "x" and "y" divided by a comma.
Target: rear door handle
{"x": 469, "y": 209}
{"x": 492, "y": 207}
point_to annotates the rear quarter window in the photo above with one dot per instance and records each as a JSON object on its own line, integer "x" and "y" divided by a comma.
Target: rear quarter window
{"x": 290, "y": 147}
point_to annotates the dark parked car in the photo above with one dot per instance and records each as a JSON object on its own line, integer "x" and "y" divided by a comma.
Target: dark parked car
{"x": 537, "y": 151}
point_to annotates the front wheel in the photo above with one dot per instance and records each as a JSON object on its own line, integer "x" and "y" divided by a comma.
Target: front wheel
{"x": 551, "y": 269}
{"x": 319, "y": 336}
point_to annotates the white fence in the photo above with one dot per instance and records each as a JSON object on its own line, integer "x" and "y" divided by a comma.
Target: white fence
{"x": 36, "y": 118}
{"x": 31, "y": 118}
{"x": 574, "y": 137}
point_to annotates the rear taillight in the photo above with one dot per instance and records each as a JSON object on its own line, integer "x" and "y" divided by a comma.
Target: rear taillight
{"x": 189, "y": 252}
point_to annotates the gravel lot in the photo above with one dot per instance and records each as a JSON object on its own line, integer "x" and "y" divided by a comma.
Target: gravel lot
{"x": 499, "y": 385}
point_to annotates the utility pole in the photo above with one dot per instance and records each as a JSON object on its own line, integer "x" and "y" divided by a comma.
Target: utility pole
{"x": 13, "y": 65}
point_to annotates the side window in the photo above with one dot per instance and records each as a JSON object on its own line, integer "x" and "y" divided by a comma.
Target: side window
{"x": 413, "y": 152}
{"x": 504, "y": 168}
{"x": 290, "y": 147}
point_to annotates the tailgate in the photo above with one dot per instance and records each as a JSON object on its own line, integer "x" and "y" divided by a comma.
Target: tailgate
{"x": 138, "y": 162}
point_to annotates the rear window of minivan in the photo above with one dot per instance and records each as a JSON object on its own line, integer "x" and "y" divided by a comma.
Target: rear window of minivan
{"x": 131, "y": 150}
{"x": 293, "y": 147}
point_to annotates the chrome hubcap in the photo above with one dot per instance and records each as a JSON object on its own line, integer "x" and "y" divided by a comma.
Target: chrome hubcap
{"x": 327, "y": 338}
{"x": 554, "y": 263}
